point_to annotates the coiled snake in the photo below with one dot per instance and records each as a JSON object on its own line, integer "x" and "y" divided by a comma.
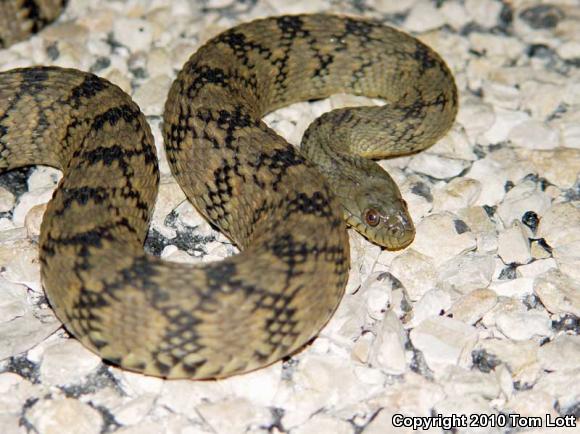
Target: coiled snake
{"x": 218, "y": 319}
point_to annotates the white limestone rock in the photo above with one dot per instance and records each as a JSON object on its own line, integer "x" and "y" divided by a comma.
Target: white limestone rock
{"x": 24, "y": 267}
{"x": 33, "y": 220}
{"x": 415, "y": 271}
{"x": 232, "y": 415}
{"x": 14, "y": 392}
{"x": 537, "y": 267}
{"x": 559, "y": 166}
{"x": 431, "y": 304}
{"x": 523, "y": 326}
{"x": 521, "y": 357}
{"x": 534, "y": 135}
{"x": 7, "y": 200}
{"x": 151, "y": 95}
{"x": 382, "y": 423}
{"x": 414, "y": 395}
{"x": 466, "y": 272}
{"x": 564, "y": 385}
{"x": 458, "y": 194}
{"x": 440, "y": 237}
{"x": 514, "y": 245}
{"x": 471, "y": 307}
{"x": 444, "y": 341}
{"x": 558, "y": 292}
{"x": 461, "y": 382}
{"x": 423, "y": 17}
{"x": 184, "y": 396}
{"x": 29, "y": 200}
{"x": 135, "y": 33}
{"x": 26, "y": 331}
{"x": 323, "y": 424}
{"x": 135, "y": 410}
{"x": 437, "y": 166}
{"x": 61, "y": 415}
{"x": 388, "y": 348}
{"x": 560, "y": 354}
{"x": 505, "y": 121}
{"x": 525, "y": 196}
{"x": 560, "y": 227}
{"x": 517, "y": 288}
{"x": 13, "y": 300}
{"x": 67, "y": 362}
{"x": 476, "y": 117}
{"x": 484, "y": 13}
{"x": 532, "y": 403}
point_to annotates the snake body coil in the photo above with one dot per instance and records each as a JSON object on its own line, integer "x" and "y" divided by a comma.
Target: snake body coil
{"x": 217, "y": 319}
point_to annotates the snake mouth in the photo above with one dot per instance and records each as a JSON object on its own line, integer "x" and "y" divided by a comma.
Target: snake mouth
{"x": 399, "y": 230}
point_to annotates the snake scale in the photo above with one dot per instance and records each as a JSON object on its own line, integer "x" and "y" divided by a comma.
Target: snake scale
{"x": 247, "y": 311}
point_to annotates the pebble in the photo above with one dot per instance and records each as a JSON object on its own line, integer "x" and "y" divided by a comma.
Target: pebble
{"x": 416, "y": 395}
{"x": 558, "y": 292}
{"x": 559, "y": 166}
{"x": 26, "y": 331}
{"x": 520, "y": 326}
{"x": 477, "y": 117}
{"x": 484, "y": 13}
{"x": 560, "y": 225}
{"x": 24, "y": 267}
{"x": 323, "y": 424}
{"x": 13, "y": 300}
{"x": 415, "y": 271}
{"x": 467, "y": 272}
{"x": 27, "y": 202}
{"x": 438, "y": 237}
{"x": 563, "y": 385}
{"x": 532, "y": 403}
{"x": 437, "y": 166}
{"x": 423, "y": 17}
{"x": 7, "y": 200}
{"x": 458, "y": 194}
{"x": 67, "y": 362}
{"x": 134, "y": 33}
{"x": 241, "y": 415}
{"x": 536, "y": 267}
{"x": 14, "y": 392}
{"x": 431, "y": 304}
{"x": 135, "y": 410}
{"x": 444, "y": 341}
{"x": 521, "y": 357}
{"x": 560, "y": 354}
{"x": 151, "y": 95}
{"x": 514, "y": 245}
{"x": 534, "y": 135}
{"x": 64, "y": 416}
{"x": 463, "y": 382}
{"x": 33, "y": 220}
{"x": 517, "y": 288}
{"x": 471, "y": 307}
{"x": 491, "y": 172}
{"x": 505, "y": 121}
{"x": 382, "y": 423}
{"x": 388, "y": 348}
{"x": 525, "y": 196}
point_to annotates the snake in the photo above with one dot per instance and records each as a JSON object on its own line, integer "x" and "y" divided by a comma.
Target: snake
{"x": 284, "y": 207}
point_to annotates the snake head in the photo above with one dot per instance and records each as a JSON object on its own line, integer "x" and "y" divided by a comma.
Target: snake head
{"x": 379, "y": 212}
{"x": 388, "y": 225}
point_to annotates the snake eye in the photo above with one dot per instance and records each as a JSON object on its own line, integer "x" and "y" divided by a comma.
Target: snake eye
{"x": 372, "y": 217}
